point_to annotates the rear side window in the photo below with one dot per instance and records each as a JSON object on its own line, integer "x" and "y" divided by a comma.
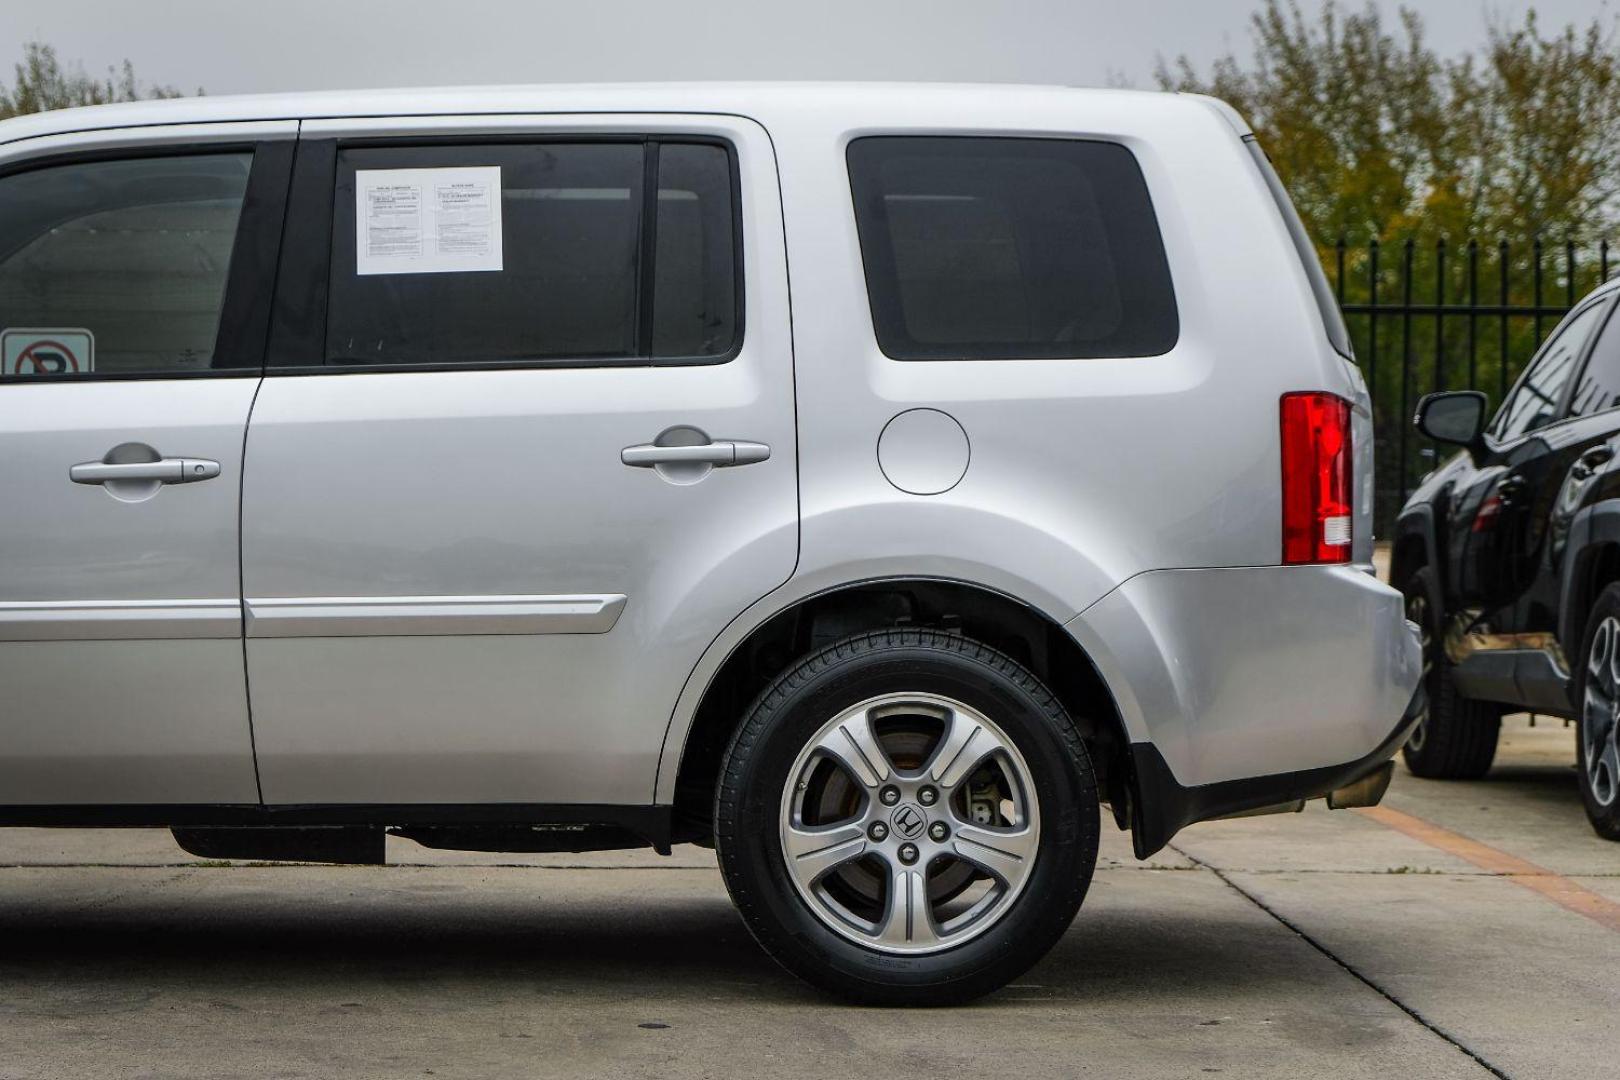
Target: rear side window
{"x": 520, "y": 252}
{"x": 695, "y": 276}
{"x": 1332, "y": 319}
{"x": 117, "y": 267}
{"x": 1003, "y": 248}
{"x": 1599, "y": 387}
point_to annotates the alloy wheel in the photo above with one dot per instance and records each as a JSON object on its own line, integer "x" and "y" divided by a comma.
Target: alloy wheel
{"x": 909, "y": 823}
{"x": 1600, "y": 710}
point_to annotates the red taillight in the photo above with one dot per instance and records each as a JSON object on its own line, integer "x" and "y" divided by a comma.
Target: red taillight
{"x": 1316, "y": 510}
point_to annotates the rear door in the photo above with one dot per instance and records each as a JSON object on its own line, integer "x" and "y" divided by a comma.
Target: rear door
{"x": 134, "y": 268}
{"x": 525, "y": 446}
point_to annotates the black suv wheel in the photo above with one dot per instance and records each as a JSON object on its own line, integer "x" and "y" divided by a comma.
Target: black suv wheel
{"x": 1455, "y": 739}
{"x": 907, "y": 817}
{"x": 1597, "y": 690}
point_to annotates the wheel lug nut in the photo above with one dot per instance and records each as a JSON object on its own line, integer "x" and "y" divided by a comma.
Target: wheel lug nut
{"x": 938, "y": 832}
{"x": 889, "y": 795}
{"x": 927, "y": 796}
{"x": 908, "y": 853}
{"x": 878, "y": 831}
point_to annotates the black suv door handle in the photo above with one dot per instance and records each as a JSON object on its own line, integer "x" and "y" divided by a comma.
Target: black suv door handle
{"x": 1590, "y": 460}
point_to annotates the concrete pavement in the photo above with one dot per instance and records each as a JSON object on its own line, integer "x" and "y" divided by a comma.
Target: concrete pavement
{"x": 1319, "y": 944}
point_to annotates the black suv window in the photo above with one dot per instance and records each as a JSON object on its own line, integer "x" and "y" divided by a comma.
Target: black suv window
{"x": 1598, "y": 389}
{"x": 117, "y": 267}
{"x": 1534, "y": 402}
{"x": 516, "y": 252}
{"x": 1004, "y": 248}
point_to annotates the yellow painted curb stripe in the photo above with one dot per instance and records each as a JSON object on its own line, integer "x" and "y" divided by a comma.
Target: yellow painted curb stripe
{"x": 1555, "y": 887}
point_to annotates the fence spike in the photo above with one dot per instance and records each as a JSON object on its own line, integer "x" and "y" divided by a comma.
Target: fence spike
{"x": 1406, "y": 363}
{"x": 1536, "y": 290}
{"x": 1569, "y": 273}
{"x": 1473, "y": 314}
{"x": 1439, "y": 314}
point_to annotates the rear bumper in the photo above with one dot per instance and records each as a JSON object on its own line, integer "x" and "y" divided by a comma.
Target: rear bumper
{"x": 1160, "y": 807}
{"x": 1244, "y": 686}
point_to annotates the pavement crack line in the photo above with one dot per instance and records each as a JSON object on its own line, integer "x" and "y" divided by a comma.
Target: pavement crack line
{"x": 1387, "y": 995}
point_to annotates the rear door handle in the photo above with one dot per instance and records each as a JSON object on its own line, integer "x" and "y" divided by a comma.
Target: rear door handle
{"x": 164, "y": 471}
{"x": 721, "y": 453}
{"x": 1590, "y": 460}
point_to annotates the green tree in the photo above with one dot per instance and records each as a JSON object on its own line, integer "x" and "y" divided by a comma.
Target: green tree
{"x": 1473, "y": 174}
{"x": 1545, "y": 114}
{"x": 42, "y": 83}
{"x": 1376, "y": 135}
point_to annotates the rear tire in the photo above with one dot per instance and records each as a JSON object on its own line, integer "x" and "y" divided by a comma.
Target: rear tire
{"x": 907, "y": 817}
{"x": 1456, "y": 737}
{"x": 1597, "y": 693}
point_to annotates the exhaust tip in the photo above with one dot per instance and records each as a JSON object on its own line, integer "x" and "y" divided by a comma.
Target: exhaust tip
{"x": 1367, "y": 791}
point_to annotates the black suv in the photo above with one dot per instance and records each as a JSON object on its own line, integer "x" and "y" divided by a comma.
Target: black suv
{"x": 1509, "y": 557}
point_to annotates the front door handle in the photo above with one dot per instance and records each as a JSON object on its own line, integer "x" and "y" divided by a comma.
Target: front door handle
{"x": 164, "y": 471}
{"x": 721, "y": 453}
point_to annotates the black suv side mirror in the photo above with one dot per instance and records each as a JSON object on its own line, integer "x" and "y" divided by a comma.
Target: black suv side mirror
{"x": 1454, "y": 416}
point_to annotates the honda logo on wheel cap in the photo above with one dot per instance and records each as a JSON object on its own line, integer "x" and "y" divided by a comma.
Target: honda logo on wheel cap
{"x": 908, "y": 821}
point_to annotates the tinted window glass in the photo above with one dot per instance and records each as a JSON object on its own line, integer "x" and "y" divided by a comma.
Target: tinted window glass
{"x": 1534, "y": 401}
{"x": 117, "y": 267}
{"x": 988, "y": 248}
{"x": 572, "y": 279}
{"x": 1326, "y": 305}
{"x": 1599, "y": 387}
{"x": 695, "y": 288}
{"x": 568, "y": 269}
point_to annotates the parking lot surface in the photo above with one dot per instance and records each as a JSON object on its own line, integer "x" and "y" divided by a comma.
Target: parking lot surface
{"x": 1462, "y": 930}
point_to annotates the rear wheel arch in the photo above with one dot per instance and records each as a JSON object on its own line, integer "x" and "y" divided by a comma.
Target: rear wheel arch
{"x": 988, "y": 616}
{"x": 1591, "y": 569}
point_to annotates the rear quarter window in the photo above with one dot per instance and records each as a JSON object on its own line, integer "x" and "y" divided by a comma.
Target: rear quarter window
{"x": 1006, "y": 248}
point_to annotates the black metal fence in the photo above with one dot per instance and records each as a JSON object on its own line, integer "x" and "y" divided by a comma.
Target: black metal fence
{"x": 1428, "y": 316}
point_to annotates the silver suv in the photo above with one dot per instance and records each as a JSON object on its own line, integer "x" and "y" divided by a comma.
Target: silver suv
{"x": 869, "y": 481}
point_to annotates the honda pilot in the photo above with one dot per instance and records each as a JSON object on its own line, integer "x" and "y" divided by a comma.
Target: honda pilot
{"x": 871, "y": 482}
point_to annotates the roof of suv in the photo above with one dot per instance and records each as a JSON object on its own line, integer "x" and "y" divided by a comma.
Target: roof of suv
{"x": 860, "y": 102}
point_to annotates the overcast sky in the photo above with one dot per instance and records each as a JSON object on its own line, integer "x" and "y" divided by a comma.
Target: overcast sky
{"x": 244, "y": 46}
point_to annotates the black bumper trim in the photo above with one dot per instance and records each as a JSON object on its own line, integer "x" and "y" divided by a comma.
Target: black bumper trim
{"x": 1160, "y": 807}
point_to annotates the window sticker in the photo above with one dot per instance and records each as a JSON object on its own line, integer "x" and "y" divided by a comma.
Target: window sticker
{"x": 30, "y": 351}
{"x": 428, "y": 221}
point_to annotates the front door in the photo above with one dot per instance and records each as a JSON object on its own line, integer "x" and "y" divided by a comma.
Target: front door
{"x": 132, "y": 332}
{"x": 1499, "y": 522}
{"x": 525, "y": 446}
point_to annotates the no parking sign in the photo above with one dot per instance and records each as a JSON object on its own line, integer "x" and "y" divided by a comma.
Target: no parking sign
{"x": 31, "y": 351}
